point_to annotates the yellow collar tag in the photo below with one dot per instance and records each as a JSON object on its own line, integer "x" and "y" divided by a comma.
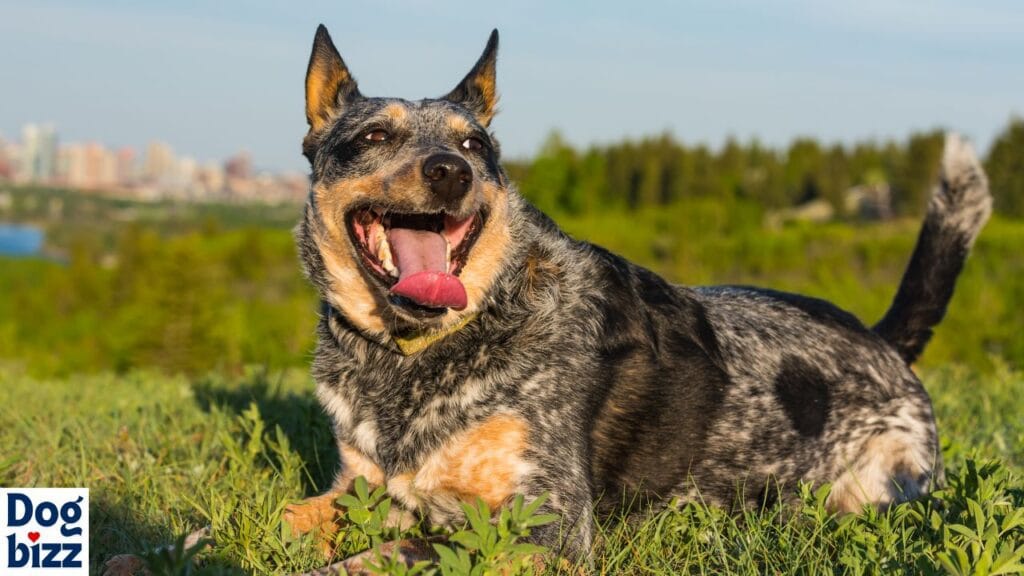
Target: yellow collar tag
{"x": 417, "y": 341}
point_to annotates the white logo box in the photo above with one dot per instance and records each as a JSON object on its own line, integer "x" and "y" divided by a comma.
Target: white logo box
{"x": 44, "y": 531}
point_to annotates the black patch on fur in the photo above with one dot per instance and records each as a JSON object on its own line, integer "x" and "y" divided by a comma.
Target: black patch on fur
{"x": 804, "y": 395}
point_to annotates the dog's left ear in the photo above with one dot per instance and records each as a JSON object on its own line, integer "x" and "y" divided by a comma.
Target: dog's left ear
{"x": 477, "y": 91}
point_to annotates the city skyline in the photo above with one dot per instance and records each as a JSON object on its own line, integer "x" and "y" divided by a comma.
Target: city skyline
{"x": 212, "y": 77}
{"x": 39, "y": 157}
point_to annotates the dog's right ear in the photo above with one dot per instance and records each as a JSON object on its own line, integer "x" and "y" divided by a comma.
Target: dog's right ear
{"x": 329, "y": 85}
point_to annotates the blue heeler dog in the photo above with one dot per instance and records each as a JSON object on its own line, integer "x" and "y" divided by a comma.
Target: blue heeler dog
{"x": 470, "y": 349}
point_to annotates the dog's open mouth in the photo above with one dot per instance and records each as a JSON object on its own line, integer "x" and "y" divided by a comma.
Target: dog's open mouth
{"x": 417, "y": 256}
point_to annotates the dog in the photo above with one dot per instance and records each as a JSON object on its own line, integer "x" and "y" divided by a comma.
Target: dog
{"x": 468, "y": 348}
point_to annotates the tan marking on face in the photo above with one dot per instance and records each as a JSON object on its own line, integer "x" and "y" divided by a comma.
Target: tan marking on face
{"x": 396, "y": 112}
{"x": 405, "y": 185}
{"x": 350, "y": 292}
{"x": 488, "y": 256}
{"x": 485, "y": 461}
{"x": 457, "y": 123}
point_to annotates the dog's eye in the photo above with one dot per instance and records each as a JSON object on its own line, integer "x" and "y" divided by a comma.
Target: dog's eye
{"x": 377, "y": 135}
{"x": 472, "y": 144}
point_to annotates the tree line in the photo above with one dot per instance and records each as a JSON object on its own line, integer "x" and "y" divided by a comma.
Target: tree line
{"x": 661, "y": 170}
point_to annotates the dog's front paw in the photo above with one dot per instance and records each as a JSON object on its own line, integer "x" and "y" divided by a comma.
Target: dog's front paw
{"x": 318, "y": 514}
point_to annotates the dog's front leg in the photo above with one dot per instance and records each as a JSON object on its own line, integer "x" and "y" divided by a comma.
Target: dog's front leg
{"x": 570, "y": 498}
{"x": 571, "y": 537}
{"x": 320, "y": 513}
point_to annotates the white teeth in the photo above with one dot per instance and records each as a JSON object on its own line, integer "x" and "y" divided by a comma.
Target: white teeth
{"x": 378, "y": 237}
{"x": 447, "y": 251}
{"x": 384, "y": 255}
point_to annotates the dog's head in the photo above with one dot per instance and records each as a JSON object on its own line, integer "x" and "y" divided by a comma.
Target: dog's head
{"x": 407, "y": 219}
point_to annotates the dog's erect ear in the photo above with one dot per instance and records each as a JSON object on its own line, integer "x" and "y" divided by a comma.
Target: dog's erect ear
{"x": 329, "y": 85}
{"x": 478, "y": 91}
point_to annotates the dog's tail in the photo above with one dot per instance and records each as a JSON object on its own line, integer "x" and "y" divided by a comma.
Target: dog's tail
{"x": 959, "y": 207}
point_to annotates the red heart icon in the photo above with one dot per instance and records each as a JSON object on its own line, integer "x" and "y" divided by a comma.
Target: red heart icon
{"x": 33, "y": 536}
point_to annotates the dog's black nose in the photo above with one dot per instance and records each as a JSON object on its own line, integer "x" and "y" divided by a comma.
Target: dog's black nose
{"x": 448, "y": 175}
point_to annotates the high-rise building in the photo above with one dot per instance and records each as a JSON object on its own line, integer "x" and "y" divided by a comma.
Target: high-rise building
{"x": 126, "y": 171}
{"x": 211, "y": 178}
{"x": 91, "y": 166}
{"x": 72, "y": 165}
{"x": 46, "y": 168}
{"x": 160, "y": 174}
{"x": 160, "y": 165}
{"x": 101, "y": 165}
{"x": 39, "y": 153}
{"x": 184, "y": 184}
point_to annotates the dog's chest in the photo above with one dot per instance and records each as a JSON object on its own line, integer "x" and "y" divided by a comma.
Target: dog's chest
{"x": 486, "y": 460}
{"x": 450, "y": 449}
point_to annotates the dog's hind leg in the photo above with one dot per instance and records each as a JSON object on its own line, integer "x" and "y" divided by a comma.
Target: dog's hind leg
{"x": 891, "y": 467}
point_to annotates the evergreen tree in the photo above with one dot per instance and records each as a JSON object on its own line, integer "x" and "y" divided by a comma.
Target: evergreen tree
{"x": 1005, "y": 167}
{"x": 916, "y": 173}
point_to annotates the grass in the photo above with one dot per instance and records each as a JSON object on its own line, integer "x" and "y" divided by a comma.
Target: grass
{"x": 166, "y": 455}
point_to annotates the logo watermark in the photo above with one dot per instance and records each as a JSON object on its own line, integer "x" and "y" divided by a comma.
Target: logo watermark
{"x": 44, "y": 531}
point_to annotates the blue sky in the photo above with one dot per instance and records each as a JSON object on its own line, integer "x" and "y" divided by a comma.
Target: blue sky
{"x": 214, "y": 77}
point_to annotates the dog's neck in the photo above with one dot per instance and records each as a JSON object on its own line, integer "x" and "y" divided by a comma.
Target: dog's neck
{"x": 417, "y": 340}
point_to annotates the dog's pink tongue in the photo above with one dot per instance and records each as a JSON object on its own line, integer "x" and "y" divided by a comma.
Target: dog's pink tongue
{"x": 421, "y": 258}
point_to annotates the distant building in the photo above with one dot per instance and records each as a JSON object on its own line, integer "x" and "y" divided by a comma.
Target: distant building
{"x": 105, "y": 165}
{"x": 126, "y": 169}
{"x": 160, "y": 174}
{"x": 869, "y": 202}
{"x": 817, "y": 211}
{"x": 239, "y": 166}
{"x": 212, "y": 179}
{"x": 185, "y": 184}
{"x": 160, "y": 166}
{"x": 90, "y": 166}
{"x": 72, "y": 165}
{"x": 38, "y": 162}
